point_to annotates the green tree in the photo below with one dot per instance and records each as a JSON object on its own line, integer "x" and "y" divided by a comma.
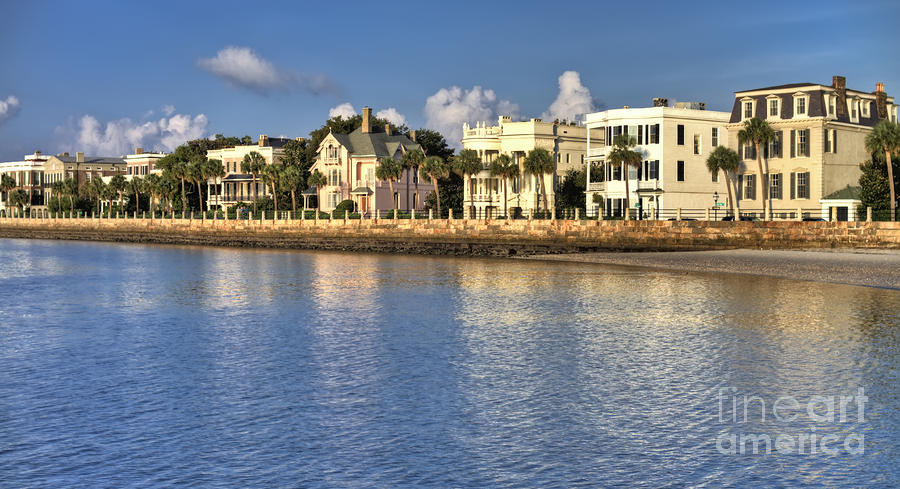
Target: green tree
{"x": 291, "y": 181}
{"x": 539, "y": 162}
{"x": 175, "y": 166}
{"x": 874, "y": 190}
{"x": 253, "y": 164}
{"x": 318, "y": 180}
{"x": 411, "y": 162}
{"x": 435, "y": 168}
{"x": 758, "y": 132}
{"x": 433, "y": 143}
{"x": 271, "y": 176}
{"x": 97, "y": 189}
{"x": 18, "y": 198}
{"x": 216, "y": 170}
{"x": 570, "y": 190}
{"x": 623, "y": 154}
{"x": 510, "y": 170}
{"x": 7, "y": 183}
{"x": 118, "y": 183}
{"x": 197, "y": 174}
{"x": 152, "y": 183}
{"x": 70, "y": 189}
{"x": 466, "y": 164}
{"x": 136, "y": 187}
{"x": 885, "y": 137}
{"x": 727, "y": 161}
{"x": 389, "y": 170}
{"x": 246, "y": 140}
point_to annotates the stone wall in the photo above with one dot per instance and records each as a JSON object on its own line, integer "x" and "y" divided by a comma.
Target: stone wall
{"x": 467, "y": 237}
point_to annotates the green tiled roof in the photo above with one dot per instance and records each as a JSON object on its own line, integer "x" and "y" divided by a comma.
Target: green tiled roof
{"x": 374, "y": 143}
{"x": 846, "y": 193}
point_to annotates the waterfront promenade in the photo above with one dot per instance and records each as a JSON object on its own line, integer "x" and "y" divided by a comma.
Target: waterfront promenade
{"x": 468, "y": 237}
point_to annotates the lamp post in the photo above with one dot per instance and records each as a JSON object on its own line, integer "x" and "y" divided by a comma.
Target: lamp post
{"x": 716, "y": 200}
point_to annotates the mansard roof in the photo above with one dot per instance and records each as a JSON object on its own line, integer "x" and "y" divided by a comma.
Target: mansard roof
{"x": 376, "y": 143}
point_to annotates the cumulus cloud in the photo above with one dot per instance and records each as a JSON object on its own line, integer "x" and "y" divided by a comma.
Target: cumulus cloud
{"x": 449, "y": 108}
{"x": 168, "y": 109}
{"x": 9, "y": 108}
{"x": 121, "y": 136}
{"x": 243, "y": 68}
{"x": 344, "y": 110}
{"x": 392, "y": 116}
{"x": 573, "y": 101}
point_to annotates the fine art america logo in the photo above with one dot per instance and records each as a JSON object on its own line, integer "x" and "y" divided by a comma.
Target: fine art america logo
{"x": 793, "y": 424}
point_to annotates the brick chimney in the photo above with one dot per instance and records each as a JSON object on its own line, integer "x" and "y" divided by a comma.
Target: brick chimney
{"x": 387, "y": 129}
{"x": 263, "y": 140}
{"x": 412, "y": 136}
{"x": 366, "y": 120}
{"x": 880, "y": 101}
{"x": 660, "y": 102}
{"x": 79, "y": 157}
{"x": 839, "y": 84}
{"x": 138, "y": 151}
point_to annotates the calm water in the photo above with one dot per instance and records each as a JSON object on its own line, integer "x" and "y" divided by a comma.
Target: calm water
{"x": 134, "y": 366}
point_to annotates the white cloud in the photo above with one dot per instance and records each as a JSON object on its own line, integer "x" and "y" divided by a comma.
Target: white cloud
{"x": 573, "y": 101}
{"x": 9, "y": 108}
{"x": 168, "y": 109}
{"x": 448, "y": 108}
{"x": 392, "y": 116}
{"x": 242, "y": 67}
{"x": 121, "y": 136}
{"x": 344, "y": 110}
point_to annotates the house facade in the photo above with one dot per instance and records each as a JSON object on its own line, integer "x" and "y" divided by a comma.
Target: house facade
{"x": 483, "y": 194}
{"x": 237, "y": 186}
{"x": 29, "y": 176}
{"x": 820, "y": 133}
{"x": 349, "y": 162}
{"x": 80, "y": 168}
{"x": 141, "y": 164}
{"x": 675, "y": 143}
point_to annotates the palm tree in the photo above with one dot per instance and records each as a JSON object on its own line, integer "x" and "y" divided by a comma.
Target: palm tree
{"x": 152, "y": 185}
{"x": 412, "y": 160}
{"x": 499, "y": 168}
{"x": 136, "y": 186}
{"x": 539, "y": 162}
{"x": 291, "y": 180}
{"x": 622, "y": 154}
{"x": 317, "y": 179}
{"x": 885, "y": 136}
{"x": 435, "y": 168}
{"x": 96, "y": 189}
{"x": 389, "y": 170}
{"x": 168, "y": 186}
{"x": 18, "y": 198}
{"x": 510, "y": 170}
{"x": 467, "y": 163}
{"x": 253, "y": 164}
{"x": 117, "y": 183}
{"x": 57, "y": 189}
{"x": 727, "y": 161}
{"x": 758, "y": 132}
{"x": 214, "y": 169}
{"x": 271, "y": 176}
{"x": 70, "y": 189}
{"x": 7, "y": 183}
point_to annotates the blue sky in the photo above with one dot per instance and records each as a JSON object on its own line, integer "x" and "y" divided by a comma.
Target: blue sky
{"x": 103, "y": 76}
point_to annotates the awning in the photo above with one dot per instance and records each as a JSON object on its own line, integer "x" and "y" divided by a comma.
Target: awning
{"x": 361, "y": 191}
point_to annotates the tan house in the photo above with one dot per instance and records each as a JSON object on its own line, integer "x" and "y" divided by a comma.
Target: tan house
{"x": 483, "y": 194}
{"x": 820, "y": 142}
{"x": 142, "y": 164}
{"x": 237, "y": 186}
{"x": 29, "y": 176}
{"x": 349, "y": 162}
{"x": 80, "y": 168}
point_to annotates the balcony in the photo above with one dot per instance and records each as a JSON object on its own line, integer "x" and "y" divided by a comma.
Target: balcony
{"x": 597, "y": 186}
{"x": 332, "y": 160}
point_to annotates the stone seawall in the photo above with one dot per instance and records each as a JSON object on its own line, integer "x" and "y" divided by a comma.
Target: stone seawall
{"x": 467, "y": 237}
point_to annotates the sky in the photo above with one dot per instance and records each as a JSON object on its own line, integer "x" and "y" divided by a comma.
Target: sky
{"x": 105, "y": 77}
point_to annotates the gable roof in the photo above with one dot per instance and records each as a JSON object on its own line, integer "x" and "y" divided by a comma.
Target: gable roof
{"x": 378, "y": 144}
{"x": 846, "y": 193}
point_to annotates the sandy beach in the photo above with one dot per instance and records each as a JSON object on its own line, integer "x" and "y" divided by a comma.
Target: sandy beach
{"x": 871, "y": 268}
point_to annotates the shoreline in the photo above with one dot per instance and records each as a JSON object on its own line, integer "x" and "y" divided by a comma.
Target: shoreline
{"x": 859, "y": 267}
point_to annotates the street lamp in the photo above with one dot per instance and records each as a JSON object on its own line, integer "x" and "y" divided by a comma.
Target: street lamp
{"x": 716, "y": 199}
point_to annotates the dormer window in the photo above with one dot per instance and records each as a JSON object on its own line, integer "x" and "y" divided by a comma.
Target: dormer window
{"x": 801, "y": 105}
{"x": 773, "y": 107}
{"x": 749, "y": 108}
{"x": 854, "y": 110}
{"x": 865, "y": 108}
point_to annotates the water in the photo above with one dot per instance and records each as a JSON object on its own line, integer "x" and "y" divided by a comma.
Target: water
{"x": 137, "y": 366}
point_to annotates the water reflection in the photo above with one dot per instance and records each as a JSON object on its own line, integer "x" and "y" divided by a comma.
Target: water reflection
{"x": 227, "y": 368}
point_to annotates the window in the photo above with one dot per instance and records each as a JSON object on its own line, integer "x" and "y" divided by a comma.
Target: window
{"x": 653, "y": 170}
{"x": 680, "y": 170}
{"x": 334, "y": 198}
{"x": 865, "y": 109}
{"x": 831, "y": 104}
{"x": 748, "y": 109}
{"x": 803, "y": 185}
{"x": 801, "y": 106}
{"x": 696, "y": 144}
{"x": 715, "y": 137}
{"x": 750, "y": 187}
{"x": 854, "y": 110}
{"x": 680, "y": 134}
{"x": 803, "y": 142}
{"x": 654, "y": 133}
{"x": 774, "y": 107}
{"x": 773, "y": 148}
{"x": 775, "y": 186}
{"x": 715, "y": 176}
{"x": 830, "y": 141}
{"x": 334, "y": 176}
{"x": 749, "y": 152}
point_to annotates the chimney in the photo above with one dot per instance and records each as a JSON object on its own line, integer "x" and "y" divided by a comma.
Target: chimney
{"x": 138, "y": 151}
{"x": 880, "y": 101}
{"x": 839, "y": 84}
{"x": 660, "y": 102}
{"x": 263, "y": 140}
{"x": 366, "y": 122}
{"x": 79, "y": 157}
{"x": 37, "y": 152}
{"x": 387, "y": 129}
{"x": 298, "y": 139}
{"x": 412, "y": 136}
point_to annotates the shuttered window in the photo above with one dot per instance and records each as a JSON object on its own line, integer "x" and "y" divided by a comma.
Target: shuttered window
{"x": 680, "y": 135}
{"x": 750, "y": 187}
{"x": 803, "y": 185}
